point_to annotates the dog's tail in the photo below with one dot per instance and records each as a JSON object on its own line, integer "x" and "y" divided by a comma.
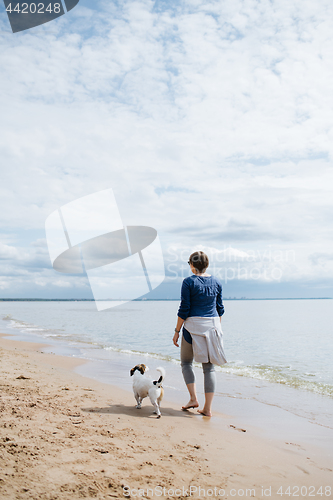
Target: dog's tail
{"x": 158, "y": 382}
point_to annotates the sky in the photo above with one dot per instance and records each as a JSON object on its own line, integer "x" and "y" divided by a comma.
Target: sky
{"x": 212, "y": 121}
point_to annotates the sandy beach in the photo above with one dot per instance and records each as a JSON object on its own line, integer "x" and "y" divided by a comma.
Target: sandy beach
{"x": 65, "y": 436}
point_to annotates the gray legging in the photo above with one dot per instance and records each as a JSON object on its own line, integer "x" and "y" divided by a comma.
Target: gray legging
{"x": 186, "y": 358}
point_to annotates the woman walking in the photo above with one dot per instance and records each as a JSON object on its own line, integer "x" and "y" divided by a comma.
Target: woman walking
{"x": 199, "y": 313}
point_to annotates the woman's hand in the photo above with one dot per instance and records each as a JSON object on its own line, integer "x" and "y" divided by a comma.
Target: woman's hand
{"x": 180, "y": 322}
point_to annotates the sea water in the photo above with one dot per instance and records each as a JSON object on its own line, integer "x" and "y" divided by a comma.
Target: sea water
{"x": 279, "y": 351}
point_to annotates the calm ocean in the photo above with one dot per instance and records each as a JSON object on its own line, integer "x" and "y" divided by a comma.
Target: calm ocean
{"x": 269, "y": 344}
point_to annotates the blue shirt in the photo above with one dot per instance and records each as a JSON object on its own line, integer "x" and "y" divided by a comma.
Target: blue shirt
{"x": 200, "y": 296}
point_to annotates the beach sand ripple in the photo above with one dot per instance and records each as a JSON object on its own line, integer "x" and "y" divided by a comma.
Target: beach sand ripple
{"x": 64, "y": 436}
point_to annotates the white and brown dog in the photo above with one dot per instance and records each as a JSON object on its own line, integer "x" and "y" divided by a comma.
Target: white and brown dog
{"x": 143, "y": 387}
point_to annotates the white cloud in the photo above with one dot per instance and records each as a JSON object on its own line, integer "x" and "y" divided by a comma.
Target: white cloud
{"x": 62, "y": 284}
{"x": 7, "y": 252}
{"x": 3, "y": 285}
{"x": 212, "y": 121}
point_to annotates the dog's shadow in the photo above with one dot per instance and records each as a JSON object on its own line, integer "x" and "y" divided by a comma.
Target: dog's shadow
{"x": 132, "y": 411}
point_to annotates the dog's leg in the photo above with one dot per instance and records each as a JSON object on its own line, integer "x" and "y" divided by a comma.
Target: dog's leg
{"x": 159, "y": 399}
{"x": 157, "y": 408}
{"x": 138, "y": 401}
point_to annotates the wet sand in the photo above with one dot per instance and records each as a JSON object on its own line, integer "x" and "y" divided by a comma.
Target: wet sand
{"x": 65, "y": 436}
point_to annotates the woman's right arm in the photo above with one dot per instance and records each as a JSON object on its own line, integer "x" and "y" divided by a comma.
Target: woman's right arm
{"x": 219, "y": 303}
{"x": 185, "y": 300}
{"x": 183, "y": 311}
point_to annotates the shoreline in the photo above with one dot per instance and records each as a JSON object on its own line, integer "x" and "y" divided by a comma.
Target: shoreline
{"x": 84, "y": 330}
{"x": 66, "y": 435}
{"x": 263, "y": 405}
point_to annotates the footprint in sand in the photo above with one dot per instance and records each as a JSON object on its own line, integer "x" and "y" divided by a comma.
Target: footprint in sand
{"x": 237, "y": 428}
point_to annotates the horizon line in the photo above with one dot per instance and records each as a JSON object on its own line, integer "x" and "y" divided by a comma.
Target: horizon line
{"x": 155, "y": 300}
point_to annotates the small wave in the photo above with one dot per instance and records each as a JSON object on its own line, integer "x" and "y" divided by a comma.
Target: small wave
{"x": 278, "y": 375}
{"x": 163, "y": 357}
{"x": 24, "y": 327}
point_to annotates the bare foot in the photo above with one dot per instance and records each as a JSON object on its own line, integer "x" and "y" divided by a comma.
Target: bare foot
{"x": 191, "y": 404}
{"x": 205, "y": 413}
